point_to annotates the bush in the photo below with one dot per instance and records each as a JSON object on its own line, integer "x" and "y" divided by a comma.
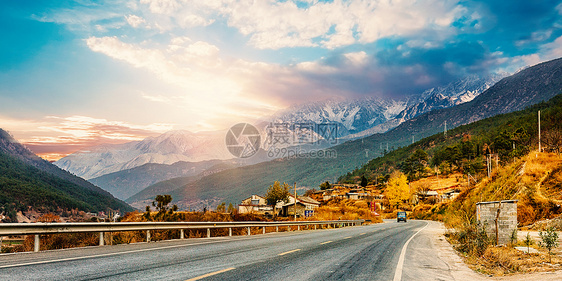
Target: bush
{"x": 471, "y": 239}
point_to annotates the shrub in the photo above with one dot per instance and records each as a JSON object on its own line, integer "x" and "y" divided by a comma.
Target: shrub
{"x": 471, "y": 239}
{"x": 549, "y": 240}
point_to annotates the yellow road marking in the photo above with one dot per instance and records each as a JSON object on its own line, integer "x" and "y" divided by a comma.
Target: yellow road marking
{"x": 292, "y": 251}
{"x": 210, "y": 274}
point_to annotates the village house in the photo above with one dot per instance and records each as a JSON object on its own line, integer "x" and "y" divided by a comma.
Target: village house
{"x": 255, "y": 204}
{"x": 305, "y": 206}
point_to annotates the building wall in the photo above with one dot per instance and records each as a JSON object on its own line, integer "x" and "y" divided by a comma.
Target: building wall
{"x": 486, "y": 214}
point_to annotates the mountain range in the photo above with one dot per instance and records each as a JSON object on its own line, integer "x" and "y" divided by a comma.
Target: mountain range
{"x": 525, "y": 88}
{"x": 126, "y": 169}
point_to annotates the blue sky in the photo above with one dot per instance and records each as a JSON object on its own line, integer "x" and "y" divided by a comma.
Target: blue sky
{"x": 79, "y": 73}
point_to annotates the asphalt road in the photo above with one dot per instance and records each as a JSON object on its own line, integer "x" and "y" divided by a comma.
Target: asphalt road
{"x": 353, "y": 253}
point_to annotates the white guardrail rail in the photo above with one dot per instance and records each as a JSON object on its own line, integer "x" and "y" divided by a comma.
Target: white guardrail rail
{"x": 39, "y": 228}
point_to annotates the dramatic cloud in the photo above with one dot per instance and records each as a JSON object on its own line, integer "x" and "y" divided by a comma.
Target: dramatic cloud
{"x": 54, "y": 137}
{"x": 202, "y": 65}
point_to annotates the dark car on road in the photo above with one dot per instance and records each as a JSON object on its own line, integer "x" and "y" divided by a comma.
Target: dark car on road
{"x": 401, "y": 216}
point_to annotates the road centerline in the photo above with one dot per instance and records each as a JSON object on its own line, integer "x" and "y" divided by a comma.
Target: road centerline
{"x": 210, "y": 274}
{"x": 288, "y": 252}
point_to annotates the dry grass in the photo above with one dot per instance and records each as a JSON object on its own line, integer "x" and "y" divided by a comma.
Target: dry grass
{"x": 441, "y": 182}
{"x": 344, "y": 209}
{"x": 499, "y": 261}
{"x": 539, "y": 164}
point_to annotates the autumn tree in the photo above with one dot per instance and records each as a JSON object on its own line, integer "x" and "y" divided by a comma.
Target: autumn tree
{"x": 553, "y": 139}
{"x": 221, "y": 208}
{"x": 230, "y": 208}
{"x": 277, "y": 193}
{"x": 325, "y": 185}
{"x": 397, "y": 190}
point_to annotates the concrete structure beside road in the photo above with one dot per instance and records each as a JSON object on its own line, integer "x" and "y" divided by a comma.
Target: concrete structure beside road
{"x": 505, "y": 212}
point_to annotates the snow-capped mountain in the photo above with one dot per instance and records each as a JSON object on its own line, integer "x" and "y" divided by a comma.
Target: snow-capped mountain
{"x": 167, "y": 148}
{"x": 352, "y": 116}
{"x": 458, "y": 92}
{"x": 455, "y": 93}
{"x": 355, "y": 118}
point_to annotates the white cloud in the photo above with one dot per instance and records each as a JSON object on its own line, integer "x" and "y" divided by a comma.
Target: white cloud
{"x": 357, "y": 59}
{"x": 272, "y": 25}
{"x": 536, "y": 36}
{"x": 208, "y": 86}
{"x": 547, "y": 51}
{"x": 135, "y": 21}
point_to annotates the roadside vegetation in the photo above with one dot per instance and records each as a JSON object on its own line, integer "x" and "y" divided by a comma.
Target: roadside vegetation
{"x": 489, "y": 160}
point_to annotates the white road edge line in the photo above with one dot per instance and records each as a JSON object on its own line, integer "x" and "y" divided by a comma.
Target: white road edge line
{"x": 325, "y": 242}
{"x": 288, "y": 252}
{"x": 210, "y": 274}
{"x": 400, "y": 265}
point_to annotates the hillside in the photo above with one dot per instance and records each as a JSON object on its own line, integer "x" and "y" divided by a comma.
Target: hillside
{"x": 528, "y": 87}
{"x": 27, "y": 180}
{"x": 481, "y": 134}
{"x": 124, "y": 184}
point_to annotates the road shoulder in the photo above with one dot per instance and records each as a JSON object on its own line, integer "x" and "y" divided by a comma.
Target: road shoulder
{"x": 460, "y": 271}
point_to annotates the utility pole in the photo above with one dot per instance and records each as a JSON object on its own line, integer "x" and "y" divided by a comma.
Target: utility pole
{"x": 437, "y": 174}
{"x": 488, "y": 164}
{"x": 295, "y": 201}
{"x": 539, "y": 131}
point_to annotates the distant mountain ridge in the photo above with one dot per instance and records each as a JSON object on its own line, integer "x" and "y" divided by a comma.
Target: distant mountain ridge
{"x": 168, "y": 148}
{"x": 123, "y": 184}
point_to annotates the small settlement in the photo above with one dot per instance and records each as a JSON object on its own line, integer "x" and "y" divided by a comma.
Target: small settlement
{"x": 305, "y": 206}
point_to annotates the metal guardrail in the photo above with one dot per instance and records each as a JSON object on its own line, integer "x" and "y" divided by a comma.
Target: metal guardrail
{"x": 39, "y": 228}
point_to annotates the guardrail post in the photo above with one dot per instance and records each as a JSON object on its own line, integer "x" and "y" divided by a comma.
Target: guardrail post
{"x": 249, "y": 233}
{"x": 36, "y": 243}
{"x": 208, "y": 233}
{"x": 230, "y": 231}
{"x": 148, "y": 236}
{"x": 101, "y": 238}
{"x": 264, "y": 230}
{"x": 182, "y": 236}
